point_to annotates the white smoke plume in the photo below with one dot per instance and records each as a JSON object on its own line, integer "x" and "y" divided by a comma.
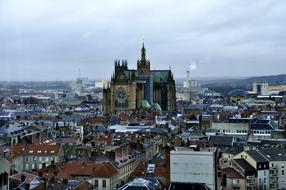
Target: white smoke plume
{"x": 193, "y": 66}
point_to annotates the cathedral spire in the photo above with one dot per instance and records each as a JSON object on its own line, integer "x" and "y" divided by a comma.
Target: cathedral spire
{"x": 143, "y": 52}
{"x": 143, "y": 65}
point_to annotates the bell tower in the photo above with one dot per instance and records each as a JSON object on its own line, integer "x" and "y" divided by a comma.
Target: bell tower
{"x": 143, "y": 65}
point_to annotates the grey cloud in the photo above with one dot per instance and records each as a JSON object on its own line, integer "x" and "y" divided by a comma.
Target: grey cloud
{"x": 50, "y": 39}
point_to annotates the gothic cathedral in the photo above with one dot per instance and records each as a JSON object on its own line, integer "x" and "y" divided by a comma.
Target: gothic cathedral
{"x": 129, "y": 87}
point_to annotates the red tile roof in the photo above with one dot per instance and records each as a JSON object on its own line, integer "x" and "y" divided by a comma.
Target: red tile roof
{"x": 161, "y": 171}
{"x": 103, "y": 169}
{"x": 107, "y": 139}
{"x": 95, "y": 120}
{"x": 83, "y": 186}
{"x": 232, "y": 173}
{"x": 35, "y": 150}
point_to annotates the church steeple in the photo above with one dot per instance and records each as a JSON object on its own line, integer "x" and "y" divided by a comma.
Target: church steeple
{"x": 143, "y": 52}
{"x": 143, "y": 65}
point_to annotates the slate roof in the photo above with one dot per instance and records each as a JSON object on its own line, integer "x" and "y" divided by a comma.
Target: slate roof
{"x": 221, "y": 140}
{"x": 12, "y": 130}
{"x": 72, "y": 183}
{"x": 76, "y": 118}
{"x": 158, "y": 76}
{"x": 262, "y": 127}
{"x": 113, "y": 120}
{"x": 188, "y": 186}
{"x": 234, "y": 150}
{"x": 257, "y": 156}
{"x": 139, "y": 184}
{"x": 244, "y": 165}
{"x": 274, "y": 154}
{"x": 196, "y": 106}
{"x": 264, "y": 124}
{"x": 274, "y": 142}
{"x": 155, "y": 181}
{"x": 4, "y": 114}
{"x": 192, "y": 132}
{"x": 153, "y": 130}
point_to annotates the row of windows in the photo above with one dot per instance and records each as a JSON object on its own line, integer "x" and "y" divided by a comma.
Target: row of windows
{"x": 276, "y": 172}
{"x": 262, "y": 132}
{"x": 260, "y": 166}
{"x": 264, "y": 180}
{"x": 231, "y": 131}
{"x": 272, "y": 165}
{"x": 103, "y": 183}
{"x": 128, "y": 168}
{"x": 33, "y": 165}
{"x": 27, "y": 158}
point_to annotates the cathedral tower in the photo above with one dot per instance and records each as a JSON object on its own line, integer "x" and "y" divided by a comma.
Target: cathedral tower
{"x": 129, "y": 87}
{"x": 143, "y": 65}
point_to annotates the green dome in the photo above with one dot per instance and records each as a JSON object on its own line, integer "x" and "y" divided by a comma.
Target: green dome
{"x": 157, "y": 107}
{"x": 145, "y": 104}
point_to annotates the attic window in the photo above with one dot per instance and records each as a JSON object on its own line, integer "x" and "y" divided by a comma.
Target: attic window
{"x": 39, "y": 151}
{"x": 31, "y": 151}
{"x": 52, "y": 151}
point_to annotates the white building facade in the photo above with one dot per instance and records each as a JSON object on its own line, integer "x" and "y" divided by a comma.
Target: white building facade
{"x": 190, "y": 166}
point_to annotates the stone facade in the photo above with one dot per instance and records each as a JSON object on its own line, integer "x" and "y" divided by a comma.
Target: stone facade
{"x": 27, "y": 157}
{"x": 129, "y": 87}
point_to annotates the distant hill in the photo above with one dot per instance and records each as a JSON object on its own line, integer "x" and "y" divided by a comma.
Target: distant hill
{"x": 225, "y": 85}
{"x": 273, "y": 80}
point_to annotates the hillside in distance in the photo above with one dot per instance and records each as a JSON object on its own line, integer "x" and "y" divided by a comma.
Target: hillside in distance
{"x": 226, "y": 84}
{"x": 246, "y": 82}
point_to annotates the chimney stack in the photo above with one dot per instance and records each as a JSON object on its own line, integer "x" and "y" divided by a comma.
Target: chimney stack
{"x": 188, "y": 75}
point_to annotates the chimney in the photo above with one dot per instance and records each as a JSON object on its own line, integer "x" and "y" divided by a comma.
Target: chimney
{"x": 246, "y": 147}
{"x": 188, "y": 75}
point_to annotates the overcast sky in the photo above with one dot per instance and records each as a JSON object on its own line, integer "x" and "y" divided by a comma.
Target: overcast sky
{"x": 53, "y": 39}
